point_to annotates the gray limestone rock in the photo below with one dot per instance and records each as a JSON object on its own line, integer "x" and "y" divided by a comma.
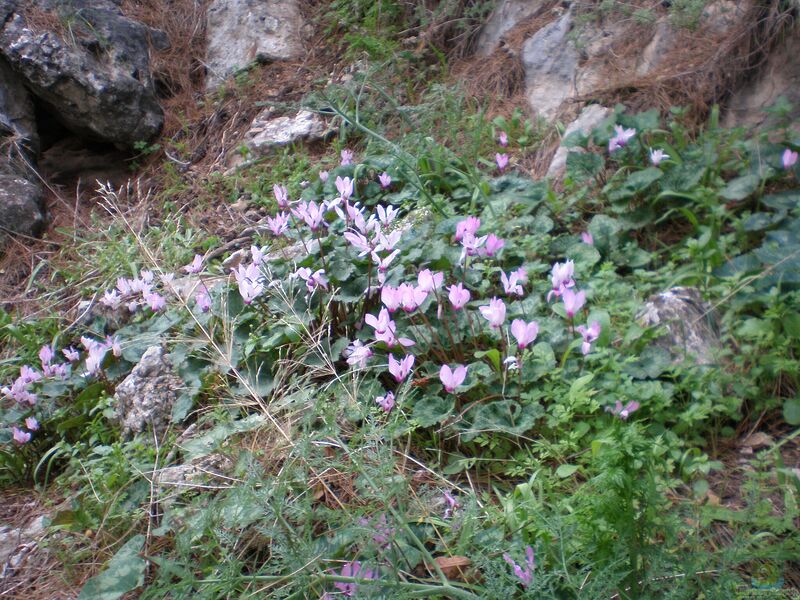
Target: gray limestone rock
{"x": 551, "y": 61}
{"x": 692, "y": 324}
{"x": 146, "y": 396}
{"x": 94, "y": 75}
{"x": 16, "y": 545}
{"x": 779, "y": 76}
{"x": 20, "y": 190}
{"x": 506, "y": 15}
{"x": 591, "y": 116}
{"x": 240, "y": 32}
{"x": 20, "y": 204}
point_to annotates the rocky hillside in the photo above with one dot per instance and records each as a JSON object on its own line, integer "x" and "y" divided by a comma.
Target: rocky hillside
{"x": 448, "y": 299}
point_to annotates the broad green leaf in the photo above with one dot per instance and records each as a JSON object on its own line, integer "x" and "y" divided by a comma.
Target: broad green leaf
{"x": 584, "y": 165}
{"x": 125, "y": 572}
{"x": 430, "y": 410}
{"x": 741, "y": 187}
{"x": 791, "y": 411}
{"x": 564, "y": 471}
{"x": 506, "y": 416}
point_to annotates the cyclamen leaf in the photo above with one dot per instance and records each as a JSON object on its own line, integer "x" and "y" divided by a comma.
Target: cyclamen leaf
{"x": 125, "y": 572}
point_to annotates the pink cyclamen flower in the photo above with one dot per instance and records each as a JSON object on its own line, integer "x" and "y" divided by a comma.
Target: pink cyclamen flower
{"x": 29, "y": 375}
{"x": 428, "y": 281}
{"x": 258, "y": 254}
{"x": 458, "y": 296}
{"x": 502, "y": 161}
{"x": 524, "y": 575}
{"x": 281, "y": 196}
{"x": 347, "y": 157}
{"x": 493, "y": 245}
{"x": 400, "y": 368}
{"x": 358, "y": 354}
{"x": 250, "y": 282}
{"x": 391, "y": 297}
{"x": 386, "y": 215}
{"x": 385, "y": 180}
{"x": 788, "y": 158}
{"x": 452, "y": 505}
{"x": 202, "y": 299}
{"x": 573, "y": 302}
{"x": 587, "y": 238}
{"x": 195, "y": 266}
{"x": 355, "y": 570}
{"x": 20, "y": 436}
{"x": 71, "y": 354}
{"x": 511, "y": 284}
{"x": 411, "y": 297}
{"x": 111, "y": 299}
{"x": 623, "y": 412}
{"x": 452, "y": 378}
{"x": 561, "y": 278}
{"x": 656, "y": 156}
{"x": 46, "y": 354}
{"x": 344, "y": 186}
{"x": 386, "y": 402}
{"x": 494, "y": 312}
{"x": 156, "y": 301}
{"x": 589, "y": 334}
{"x": 94, "y": 359}
{"x": 279, "y": 224}
{"x": 622, "y": 137}
{"x": 112, "y": 343}
{"x": 469, "y": 225}
{"x": 31, "y": 423}
{"x": 312, "y": 213}
{"x": 524, "y": 333}
{"x": 502, "y": 139}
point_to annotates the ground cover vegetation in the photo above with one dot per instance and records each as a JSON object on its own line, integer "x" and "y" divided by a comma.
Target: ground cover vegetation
{"x": 426, "y": 374}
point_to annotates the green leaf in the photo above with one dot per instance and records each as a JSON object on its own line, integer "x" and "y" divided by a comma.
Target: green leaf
{"x": 741, "y": 187}
{"x": 791, "y": 411}
{"x": 637, "y": 182}
{"x": 584, "y": 165}
{"x": 493, "y": 355}
{"x": 605, "y": 231}
{"x": 564, "y": 471}
{"x": 125, "y": 572}
{"x": 430, "y": 410}
{"x": 506, "y": 416}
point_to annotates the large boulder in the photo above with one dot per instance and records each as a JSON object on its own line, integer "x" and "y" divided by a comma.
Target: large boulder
{"x": 86, "y": 62}
{"x": 692, "y": 327}
{"x": 778, "y": 77}
{"x": 507, "y": 14}
{"x": 240, "y": 32}
{"x": 145, "y": 398}
{"x": 20, "y": 190}
{"x": 551, "y": 61}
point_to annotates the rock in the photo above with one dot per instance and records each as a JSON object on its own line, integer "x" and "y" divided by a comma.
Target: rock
{"x": 20, "y": 204}
{"x": 17, "y": 115}
{"x": 20, "y": 189}
{"x": 96, "y": 81}
{"x": 550, "y": 60}
{"x": 506, "y": 15}
{"x": 779, "y": 76}
{"x": 591, "y": 116}
{"x": 240, "y": 32}
{"x": 267, "y": 132}
{"x": 662, "y": 42}
{"x": 692, "y": 324}
{"x": 146, "y": 396}
{"x": 16, "y": 545}
{"x": 198, "y": 471}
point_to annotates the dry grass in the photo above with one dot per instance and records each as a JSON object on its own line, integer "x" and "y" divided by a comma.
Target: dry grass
{"x": 702, "y": 68}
